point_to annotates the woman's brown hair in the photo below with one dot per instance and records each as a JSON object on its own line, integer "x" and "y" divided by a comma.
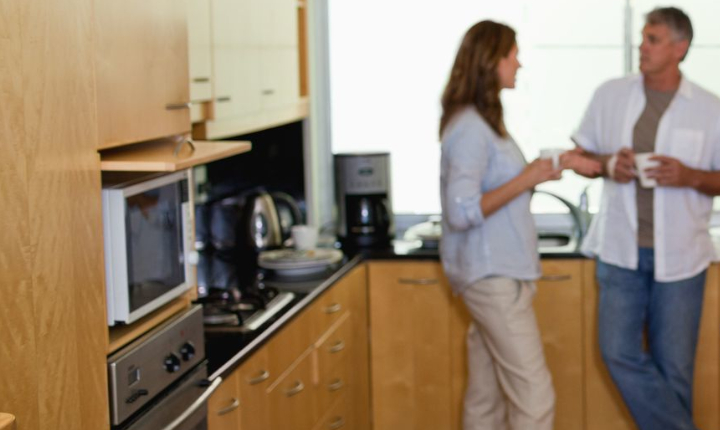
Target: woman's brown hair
{"x": 473, "y": 78}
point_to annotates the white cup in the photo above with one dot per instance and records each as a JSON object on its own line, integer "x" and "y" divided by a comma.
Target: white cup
{"x": 552, "y": 154}
{"x": 642, "y": 162}
{"x": 304, "y": 237}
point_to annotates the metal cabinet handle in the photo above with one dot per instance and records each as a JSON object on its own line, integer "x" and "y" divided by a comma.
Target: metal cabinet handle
{"x": 177, "y": 106}
{"x": 201, "y": 80}
{"x": 338, "y": 423}
{"x": 268, "y": 92}
{"x": 422, "y": 281}
{"x": 336, "y": 385}
{"x": 556, "y": 278}
{"x": 299, "y": 386}
{"x": 234, "y": 405}
{"x": 223, "y": 99}
{"x": 262, "y": 376}
{"x": 334, "y": 308}
{"x": 337, "y": 347}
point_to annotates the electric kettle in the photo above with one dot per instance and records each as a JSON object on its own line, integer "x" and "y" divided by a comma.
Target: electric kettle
{"x": 260, "y": 222}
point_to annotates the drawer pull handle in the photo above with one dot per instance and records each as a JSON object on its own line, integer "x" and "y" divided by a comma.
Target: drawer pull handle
{"x": 268, "y": 92}
{"x": 201, "y": 80}
{"x": 337, "y": 347}
{"x": 299, "y": 386}
{"x": 234, "y": 405}
{"x": 262, "y": 376}
{"x": 422, "y": 281}
{"x": 223, "y": 99}
{"x": 334, "y": 308}
{"x": 556, "y": 278}
{"x": 338, "y": 423}
{"x": 177, "y": 106}
{"x": 336, "y": 385}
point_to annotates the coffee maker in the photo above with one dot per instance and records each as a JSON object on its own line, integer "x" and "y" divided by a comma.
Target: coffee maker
{"x": 362, "y": 188}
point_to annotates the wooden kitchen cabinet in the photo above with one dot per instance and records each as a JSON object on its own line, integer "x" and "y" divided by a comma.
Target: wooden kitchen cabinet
{"x": 411, "y": 355}
{"x": 141, "y": 64}
{"x": 419, "y": 367}
{"x": 200, "y": 58}
{"x": 256, "y": 67}
{"x": 605, "y": 408}
{"x": 313, "y": 374}
{"x": 224, "y": 405}
{"x": 254, "y": 380}
{"x": 559, "y": 311}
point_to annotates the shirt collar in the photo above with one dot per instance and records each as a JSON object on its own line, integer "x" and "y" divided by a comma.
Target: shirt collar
{"x": 685, "y": 90}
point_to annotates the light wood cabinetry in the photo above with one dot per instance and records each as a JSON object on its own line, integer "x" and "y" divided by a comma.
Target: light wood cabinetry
{"x": 53, "y": 330}
{"x": 200, "y": 58}
{"x": 411, "y": 354}
{"x": 314, "y": 374}
{"x": 141, "y": 58}
{"x": 256, "y": 67}
{"x": 558, "y": 309}
{"x": 605, "y": 408}
{"x": 7, "y": 422}
{"x": 419, "y": 368}
{"x": 225, "y": 404}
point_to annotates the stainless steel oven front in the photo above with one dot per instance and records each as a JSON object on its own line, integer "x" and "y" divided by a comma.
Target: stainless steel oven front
{"x": 159, "y": 382}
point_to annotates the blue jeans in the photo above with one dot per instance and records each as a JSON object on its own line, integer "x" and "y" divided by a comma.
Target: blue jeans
{"x": 656, "y": 383}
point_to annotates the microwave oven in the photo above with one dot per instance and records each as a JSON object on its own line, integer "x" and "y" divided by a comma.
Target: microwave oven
{"x": 148, "y": 233}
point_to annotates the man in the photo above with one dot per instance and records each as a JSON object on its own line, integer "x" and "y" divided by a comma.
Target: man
{"x": 652, "y": 244}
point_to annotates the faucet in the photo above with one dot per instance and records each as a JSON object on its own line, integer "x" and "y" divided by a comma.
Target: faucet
{"x": 584, "y": 208}
{"x": 578, "y": 214}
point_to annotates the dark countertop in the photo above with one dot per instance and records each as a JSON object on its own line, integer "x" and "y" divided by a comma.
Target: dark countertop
{"x": 225, "y": 351}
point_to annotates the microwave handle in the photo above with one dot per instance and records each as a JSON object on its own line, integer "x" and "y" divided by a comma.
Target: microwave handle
{"x": 196, "y": 405}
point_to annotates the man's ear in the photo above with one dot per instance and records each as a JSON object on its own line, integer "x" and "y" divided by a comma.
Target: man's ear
{"x": 681, "y": 48}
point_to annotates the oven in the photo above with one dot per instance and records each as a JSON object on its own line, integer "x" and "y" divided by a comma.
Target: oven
{"x": 159, "y": 382}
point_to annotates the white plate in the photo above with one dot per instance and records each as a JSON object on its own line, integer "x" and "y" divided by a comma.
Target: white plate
{"x": 290, "y": 259}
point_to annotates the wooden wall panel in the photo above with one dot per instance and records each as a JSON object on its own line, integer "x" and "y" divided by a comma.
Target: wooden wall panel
{"x": 52, "y": 320}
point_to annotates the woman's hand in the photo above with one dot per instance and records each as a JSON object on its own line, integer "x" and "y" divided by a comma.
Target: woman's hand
{"x": 539, "y": 171}
{"x": 579, "y": 163}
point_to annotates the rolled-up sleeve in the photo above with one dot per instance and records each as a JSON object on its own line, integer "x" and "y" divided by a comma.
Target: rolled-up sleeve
{"x": 466, "y": 156}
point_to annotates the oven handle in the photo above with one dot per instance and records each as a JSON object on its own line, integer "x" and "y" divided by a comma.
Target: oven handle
{"x": 195, "y": 406}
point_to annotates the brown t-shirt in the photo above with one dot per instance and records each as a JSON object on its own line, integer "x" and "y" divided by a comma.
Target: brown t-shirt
{"x": 644, "y": 135}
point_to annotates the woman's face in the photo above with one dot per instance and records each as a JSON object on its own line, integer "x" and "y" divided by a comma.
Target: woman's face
{"x": 507, "y": 69}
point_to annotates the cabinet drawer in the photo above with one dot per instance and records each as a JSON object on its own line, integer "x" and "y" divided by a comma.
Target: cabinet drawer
{"x": 253, "y": 381}
{"x": 336, "y": 344}
{"x": 224, "y": 405}
{"x": 292, "y": 398}
{"x": 288, "y": 345}
{"x": 338, "y": 417}
{"x": 328, "y": 309}
{"x": 334, "y": 383}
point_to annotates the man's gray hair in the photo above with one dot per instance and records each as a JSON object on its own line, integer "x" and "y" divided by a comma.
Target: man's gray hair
{"x": 678, "y": 22}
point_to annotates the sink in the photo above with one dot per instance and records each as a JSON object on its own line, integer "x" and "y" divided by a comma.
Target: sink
{"x": 553, "y": 240}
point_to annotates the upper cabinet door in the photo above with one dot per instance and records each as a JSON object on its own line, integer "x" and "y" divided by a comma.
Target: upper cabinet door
{"x": 141, "y": 70}
{"x": 200, "y": 42}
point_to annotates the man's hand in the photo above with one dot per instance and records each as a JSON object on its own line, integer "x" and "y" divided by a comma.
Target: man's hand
{"x": 621, "y": 166}
{"x": 576, "y": 160}
{"x": 672, "y": 173}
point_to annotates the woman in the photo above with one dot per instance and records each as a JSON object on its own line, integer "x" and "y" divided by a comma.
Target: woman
{"x": 489, "y": 243}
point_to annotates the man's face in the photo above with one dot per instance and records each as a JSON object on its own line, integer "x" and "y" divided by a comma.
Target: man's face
{"x": 660, "y": 51}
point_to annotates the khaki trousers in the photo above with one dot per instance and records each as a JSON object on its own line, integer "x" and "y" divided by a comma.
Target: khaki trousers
{"x": 509, "y": 383}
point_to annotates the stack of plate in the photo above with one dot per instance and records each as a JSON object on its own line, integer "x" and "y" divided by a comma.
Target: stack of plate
{"x": 291, "y": 262}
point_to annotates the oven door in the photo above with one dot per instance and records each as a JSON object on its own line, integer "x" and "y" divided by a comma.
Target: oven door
{"x": 184, "y": 407}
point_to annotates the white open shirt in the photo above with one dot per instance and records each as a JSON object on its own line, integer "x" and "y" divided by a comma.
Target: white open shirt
{"x": 689, "y": 130}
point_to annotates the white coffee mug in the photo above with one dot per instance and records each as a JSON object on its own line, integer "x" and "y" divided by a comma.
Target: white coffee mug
{"x": 304, "y": 236}
{"x": 642, "y": 162}
{"x": 552, "y": 154}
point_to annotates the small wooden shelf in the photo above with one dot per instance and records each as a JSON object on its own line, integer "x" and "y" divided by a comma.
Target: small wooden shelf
{"x": 159, "y": 156}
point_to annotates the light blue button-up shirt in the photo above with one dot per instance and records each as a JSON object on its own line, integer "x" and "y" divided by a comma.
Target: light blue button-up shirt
{"x": 474, "y": 161}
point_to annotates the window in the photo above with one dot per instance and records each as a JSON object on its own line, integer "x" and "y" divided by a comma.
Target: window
{"x": 389, "y": 61}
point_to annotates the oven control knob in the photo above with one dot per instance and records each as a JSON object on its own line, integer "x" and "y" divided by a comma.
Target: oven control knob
{"x": 187, "y": 351}
{"x": 172, "y": 363}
